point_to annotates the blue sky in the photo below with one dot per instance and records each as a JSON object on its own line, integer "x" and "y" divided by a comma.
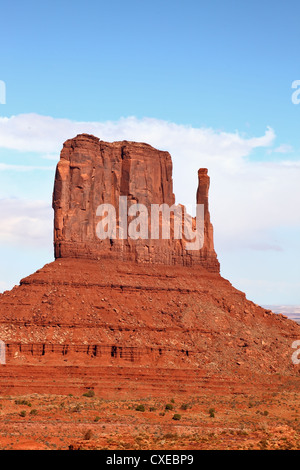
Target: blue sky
{"x": 208, "y": 81}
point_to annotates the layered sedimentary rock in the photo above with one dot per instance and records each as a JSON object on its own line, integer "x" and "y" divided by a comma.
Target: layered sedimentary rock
{"x": 125, "y": 328}
{"x": 134, "y": 317}
{"x": 91, "y": 173}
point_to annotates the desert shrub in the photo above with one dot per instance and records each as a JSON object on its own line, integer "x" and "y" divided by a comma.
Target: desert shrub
{"x": 211, "y": 412}
{"x": 184, "y": 406}
{"x": 140, "y": 408}
{"x": 23, "y": 413}
{"x": 89, "y": 393}
{"x": 176, "y": 417}
{"x": 169, "y": 406}
{"x": 22, "y": 402}
{"x": 33, "y": 412}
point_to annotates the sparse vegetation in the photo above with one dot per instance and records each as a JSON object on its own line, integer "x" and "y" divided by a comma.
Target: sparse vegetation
{"x": 22, "y": 402}
{"x": 115, "y": 424}
{"x": 185, "y": 406}
{"x": 89, "y": 393}
{"x": 169, "y": 406}
{"x": 140, "y": 408}
{"x": 176, "y": 417}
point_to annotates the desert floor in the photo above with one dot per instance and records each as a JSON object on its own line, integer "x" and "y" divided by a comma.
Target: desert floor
{"x": 266, "y": 419}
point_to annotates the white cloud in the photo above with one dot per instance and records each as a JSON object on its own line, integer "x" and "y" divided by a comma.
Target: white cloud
{"x": 248, "y": 198}
{"x": 36, "y": 133}
{"x": 51, "y": 156}
{"x": 284, "y": 148}
{"x": 8, "y": 167}
{"x": 25, "y": 222}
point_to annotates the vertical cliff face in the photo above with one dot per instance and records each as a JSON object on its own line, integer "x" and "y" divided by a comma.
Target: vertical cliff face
{"x": 91, "y": 173}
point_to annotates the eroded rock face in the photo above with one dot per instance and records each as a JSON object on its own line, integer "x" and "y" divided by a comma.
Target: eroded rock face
{"x": 139, "y": 330}
{"x": 91, "y": 173}
{"x": 97, "y": 318}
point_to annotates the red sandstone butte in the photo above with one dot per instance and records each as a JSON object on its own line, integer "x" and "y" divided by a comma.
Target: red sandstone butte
{"x": 92, "y": 172}
{"x": 134, "y": 318}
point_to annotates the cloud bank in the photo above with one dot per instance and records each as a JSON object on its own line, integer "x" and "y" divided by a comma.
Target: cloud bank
{"x": 249, "y": 199}
{"x": 25, "y": 222}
